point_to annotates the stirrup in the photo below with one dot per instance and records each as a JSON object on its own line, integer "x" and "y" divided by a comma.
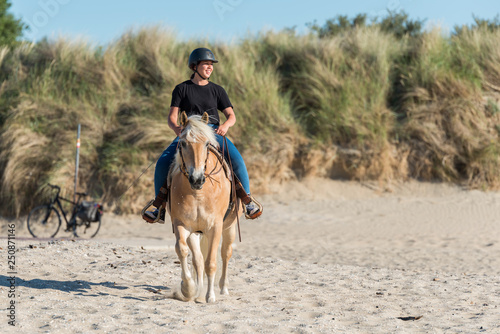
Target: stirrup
{"x": 258, "y": 213}
{"x": 149, "y": 219}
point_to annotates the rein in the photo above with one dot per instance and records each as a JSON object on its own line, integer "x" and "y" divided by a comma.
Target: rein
{"x": 233, "y": 186}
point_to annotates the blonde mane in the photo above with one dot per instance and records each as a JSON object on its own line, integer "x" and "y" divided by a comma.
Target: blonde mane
{"x": 198, "y": 131}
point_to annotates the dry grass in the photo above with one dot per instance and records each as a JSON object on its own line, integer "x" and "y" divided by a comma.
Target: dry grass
{"x": 361, "y": 105}
{"x": 450, "y": 131}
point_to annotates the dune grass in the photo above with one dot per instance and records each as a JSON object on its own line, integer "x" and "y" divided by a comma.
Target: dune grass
{"x": 449, "y": 122}
{"x": 361, "y": 102}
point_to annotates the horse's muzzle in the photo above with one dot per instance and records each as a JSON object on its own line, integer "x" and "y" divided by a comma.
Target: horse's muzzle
{"x": 197, "y": 182}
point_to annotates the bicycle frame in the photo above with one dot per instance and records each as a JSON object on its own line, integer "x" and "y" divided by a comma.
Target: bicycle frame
{"x": 57, "y": 200}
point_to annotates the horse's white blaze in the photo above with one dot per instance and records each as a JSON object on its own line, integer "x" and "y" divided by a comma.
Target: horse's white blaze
{"x": 196, "y": 173}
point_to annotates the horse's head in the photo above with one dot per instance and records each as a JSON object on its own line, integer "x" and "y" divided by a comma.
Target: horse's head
{"x": 193, "y": 148}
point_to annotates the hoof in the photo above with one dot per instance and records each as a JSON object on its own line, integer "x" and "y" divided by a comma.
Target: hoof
{"x": 210, "y": 299}
{"x": 188, "y": 289}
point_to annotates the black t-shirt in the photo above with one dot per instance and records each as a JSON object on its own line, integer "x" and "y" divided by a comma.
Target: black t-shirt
{"x": 195, "y": 99}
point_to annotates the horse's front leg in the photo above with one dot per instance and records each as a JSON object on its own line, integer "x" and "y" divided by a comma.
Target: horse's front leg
{"x": 188, "y": 286}
{"x": 213, "y": 236}
{"x": 194, "y": 244}
{"x": 226, "y": 252}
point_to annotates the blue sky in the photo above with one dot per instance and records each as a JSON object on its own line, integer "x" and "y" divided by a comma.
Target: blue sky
{"x": 102, "y": 21}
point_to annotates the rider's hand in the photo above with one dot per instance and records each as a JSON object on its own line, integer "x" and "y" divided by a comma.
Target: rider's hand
{"x": 222, "y": 130}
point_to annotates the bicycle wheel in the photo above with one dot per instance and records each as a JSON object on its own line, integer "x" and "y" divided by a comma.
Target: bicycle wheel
{"x": 44, "y": 222}
{"x": 86, "y": 230}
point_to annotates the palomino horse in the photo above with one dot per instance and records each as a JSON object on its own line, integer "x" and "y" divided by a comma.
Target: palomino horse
{"x": 200, "y": 194}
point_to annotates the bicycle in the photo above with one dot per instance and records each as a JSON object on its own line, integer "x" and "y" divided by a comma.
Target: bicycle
{"x": 44, "y": 221}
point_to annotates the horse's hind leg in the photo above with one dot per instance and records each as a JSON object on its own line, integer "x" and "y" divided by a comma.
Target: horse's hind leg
{"x": 211, "y": 260}
{"x": 188, "y": 286}
{"x": 228, "y": 236}
{"x": 194, "y": 244}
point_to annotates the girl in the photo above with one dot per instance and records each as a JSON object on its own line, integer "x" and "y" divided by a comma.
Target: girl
{"x": 196, "y": 96}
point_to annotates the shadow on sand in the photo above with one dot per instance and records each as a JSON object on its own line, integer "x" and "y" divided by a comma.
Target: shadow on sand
{"x": 78, "y": 287}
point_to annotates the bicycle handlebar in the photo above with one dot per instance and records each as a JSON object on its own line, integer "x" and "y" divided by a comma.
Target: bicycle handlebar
{"x": 59, "y": 190}
{"x": 55, "y": 187}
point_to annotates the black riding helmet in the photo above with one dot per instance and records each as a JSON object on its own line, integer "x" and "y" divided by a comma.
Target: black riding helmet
{"x": 199, "y": 55}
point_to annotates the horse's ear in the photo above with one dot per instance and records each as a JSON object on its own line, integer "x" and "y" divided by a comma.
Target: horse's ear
{"x": 184, "y": 119}
{"x": 205, "y": 117}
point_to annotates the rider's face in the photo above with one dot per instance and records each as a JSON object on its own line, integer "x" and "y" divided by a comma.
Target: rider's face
{"x": 205, "y": 68}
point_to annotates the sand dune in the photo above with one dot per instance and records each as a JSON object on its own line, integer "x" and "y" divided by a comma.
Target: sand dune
{"x": 326, "y": 256}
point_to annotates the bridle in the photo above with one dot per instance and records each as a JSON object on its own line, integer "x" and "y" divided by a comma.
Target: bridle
{"x": 209, "y": 175}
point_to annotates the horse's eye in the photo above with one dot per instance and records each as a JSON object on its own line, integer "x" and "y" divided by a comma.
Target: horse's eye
{"x": 183, "y": 144}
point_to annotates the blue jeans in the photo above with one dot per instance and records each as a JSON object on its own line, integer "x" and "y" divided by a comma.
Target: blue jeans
{"x": 166, "y": 159}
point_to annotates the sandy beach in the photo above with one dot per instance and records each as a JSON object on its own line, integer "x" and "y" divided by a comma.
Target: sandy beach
{"x": 325, "y": 257}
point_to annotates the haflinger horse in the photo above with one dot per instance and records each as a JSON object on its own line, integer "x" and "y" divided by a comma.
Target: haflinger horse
{"x": 199, "y": 201}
